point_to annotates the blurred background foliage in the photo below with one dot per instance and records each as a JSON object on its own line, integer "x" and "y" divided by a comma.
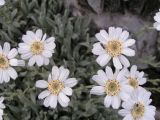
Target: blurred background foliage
{"x": 74, "y": 23}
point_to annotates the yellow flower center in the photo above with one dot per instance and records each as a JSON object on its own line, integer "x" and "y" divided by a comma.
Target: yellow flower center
{"x": 114, "y": 47}
{"x": 37, "y": 47}
{"x": 133, "y": 82}
{"x": 138, "y": 111}
{"x": 112, "y": 87}
{"x": 55, "y": 86}
{"x": 4, "y": 63}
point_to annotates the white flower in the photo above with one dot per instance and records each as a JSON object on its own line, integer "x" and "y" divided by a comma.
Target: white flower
{"x": 135, "y": 78}
{"x": 58, "y": 87}
{"x": 114, "y": 44}
{"x": 2, "y": 2}
{"x": 7, "y": 60}
{"x": 138, "y": 107}
{"x": 113, "y": 85}
{"x": 157, "y": 19}
{"x": 2, "y": 106}
{"x": 37, "y": 48}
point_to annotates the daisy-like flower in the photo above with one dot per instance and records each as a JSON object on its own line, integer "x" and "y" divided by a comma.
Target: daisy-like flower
{"x": 135, "y": 78}
{"x": 2, "y": 106}
{"x": 58, "y": 87}
{"x": 113, "y": 45}
{"x": 2, "y": 2}
{"x": 113, "y": 85}
{"x": 138, "y": 107}
{"x": 7, "y": 60}
{"x": 36, "y": 48}
{"x": 157, "y": 19}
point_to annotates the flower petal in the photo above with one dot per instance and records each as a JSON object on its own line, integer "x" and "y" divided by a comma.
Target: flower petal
{"x": 103, "y": 59}
{"x": 124, "y": 61}
{"x": 108, "y": 101}
{"x": 98, "y": 49}
{"x": 6, "y": 48}
{"x": 13, "y": 53}
{"x": 71, "y": 82}
{"x": 55, "y": 72}
{"x": 42, "y": 84}
{"x": 129, "y": 42}
{"x": 97, "y": 90}
{"x": 116, "y": 102}
{"x": 67, "y": 91}
{"x": 12, "y": 73}
{"x": 117, "y": 63}
{"x": 44, "y": 94}
{"x": 64, "y": 73}
{"x": 63, "y": 99}
{"x": 53, "y": 101}
{"x": 128, "y": 52}
{"x": 101, "y": 38}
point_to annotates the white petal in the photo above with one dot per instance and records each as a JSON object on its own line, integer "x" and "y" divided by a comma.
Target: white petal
{"x": 41, "y": 84}
{"x": 64, "y": 73}
{"x": 21, "y": 63}
{"x": 12, "y": 73}
{"x": 121, "y": 75}
{"x": 47, "y": 53}
{"x": 55, "y": 72}
{"x": 50, "y": 40}
{"x": 98, "y": 49}
{"x": 28, "y": 39}
{"x": 32, "y": 61}
{"x": 116, "y": 102}
{"x": 39, "y": 34}
{"x": 123, "y": 112}
{"x": 13, "y": 53}
{"x": 39, "y": 60}
{"x": 124, "y": 36}
{"x": 1, "y": 50}
{"x": 104, "y": 34}
{"x": 47, "y": 101}
{"x": 53, "y": 101}
{"x": 124, "y": 61}
{"x": 5, "y": 76}
{"x": 128, "y": 52}
{"x": 142, "y": 81}
{"x": 124, "y": 96}
{"x": 6, "y": 48}
{"x": 128, "y": 117}
{"x": 44, "y": 37}
{"x": 103, "y": 59}
{"x": 2, "y": 2}
{"x": 100, "y": 78}
{"x": 118, "y": 32}
{"x": 97, "y": 90}
{"x": 71, "y": 82}
{"x": 13, "y": 62}
{"x": 44, "y": 94}
{"x": 133, "y": 70}
{"x": 49, "y": 78}
{"x": 50, "y": 46}
{"x": 63, "y": 99}
{"x": 107, "y": 101}
{"x": 26, "y": 55}
{"x": 129, "y": 42}
{"x": 46, "y": 61}
{"x": 101, "y": 38}
{"x": 111, "y": 31}
{"x": 109, "y": 72}
{"x": 117, "y": 63}
{"x": 67, "y": 91}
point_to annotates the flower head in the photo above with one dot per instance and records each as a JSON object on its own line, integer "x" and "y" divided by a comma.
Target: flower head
{"x": 36, "y": 48}
{"x": 7, "y": 60}
{"x": 135, "y": 78}
{"x": 113, "y": 45}
{"x": 2, "y": 106}
{"x": 157, "y": 19}
{"x": 58, "y": 87}
{"x": 113, "y": 85}
{"x": 138, "y": 107}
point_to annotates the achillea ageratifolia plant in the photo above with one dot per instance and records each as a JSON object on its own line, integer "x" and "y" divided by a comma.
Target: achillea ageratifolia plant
{"x": 122, "y": 86}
